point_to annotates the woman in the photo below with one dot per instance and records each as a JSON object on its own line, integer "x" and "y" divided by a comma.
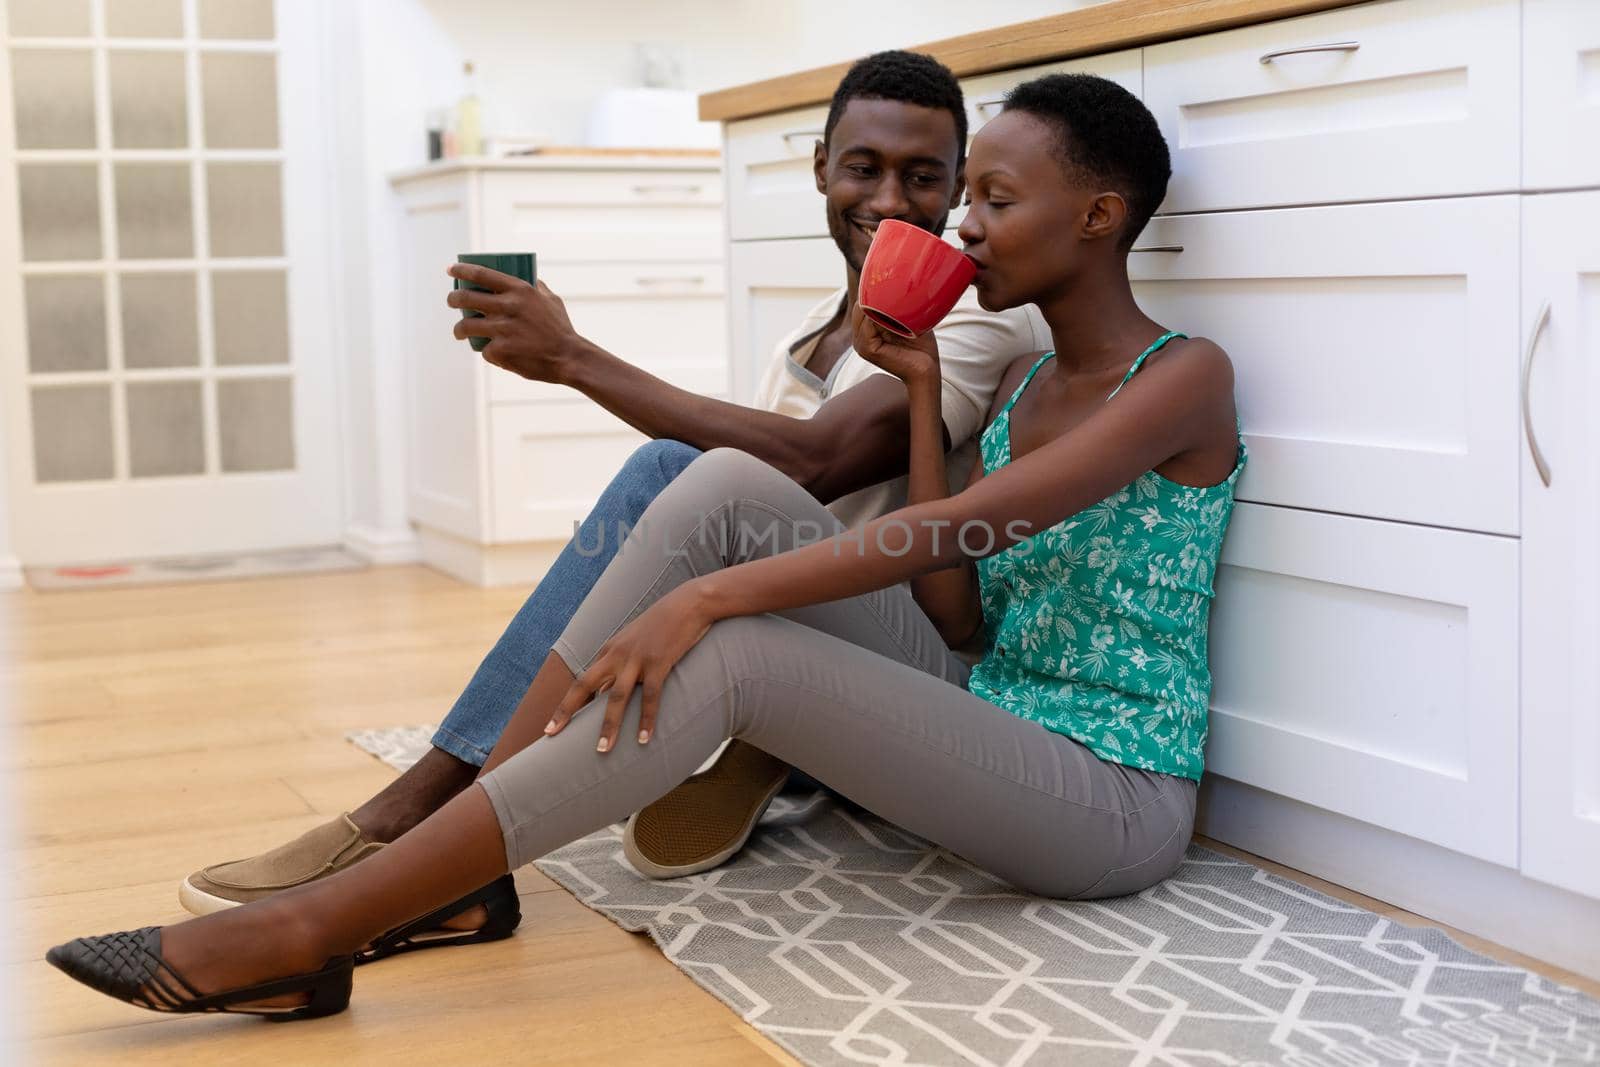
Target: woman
{"x": 1083, "y": 546}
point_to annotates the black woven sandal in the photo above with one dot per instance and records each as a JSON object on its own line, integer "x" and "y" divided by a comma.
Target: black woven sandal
{"x": 128, "y": 966}
{"x": 499, "y": 899}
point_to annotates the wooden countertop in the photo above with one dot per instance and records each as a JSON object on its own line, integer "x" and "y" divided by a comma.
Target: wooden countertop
{"x": 571, "y": 159}
{"x": 1087, "y": 31}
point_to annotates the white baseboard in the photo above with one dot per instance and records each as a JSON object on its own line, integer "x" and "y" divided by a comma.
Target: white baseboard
{"x": 1490, "y": 901}
{"x": 10, "y": 573}
{"x": 381, "y": 547}
{"x": 475, "y": 564}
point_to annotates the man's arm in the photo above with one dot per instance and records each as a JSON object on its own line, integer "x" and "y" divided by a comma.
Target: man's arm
{"x": 856, "y": 439}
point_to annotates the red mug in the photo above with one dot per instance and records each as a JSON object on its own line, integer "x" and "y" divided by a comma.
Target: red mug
{"x": 911, "y": 278}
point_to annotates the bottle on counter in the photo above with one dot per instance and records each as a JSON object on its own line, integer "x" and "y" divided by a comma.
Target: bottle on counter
{"x": 469, "y": 123}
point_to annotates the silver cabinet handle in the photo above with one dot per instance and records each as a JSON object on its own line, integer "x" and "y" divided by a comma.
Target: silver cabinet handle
{"x": 813, "y": 135}
{"x": 982, "y": 106}
{"x": 1342, "y": 46}
{"x": 1527, "y": 412}
{"x": 687, "y": 190}
{"x": 696, "y": 279}
{"x": 1158, "y": 248}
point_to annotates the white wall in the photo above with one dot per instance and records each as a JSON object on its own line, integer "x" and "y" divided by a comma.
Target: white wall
{"x": 542, "y": 63}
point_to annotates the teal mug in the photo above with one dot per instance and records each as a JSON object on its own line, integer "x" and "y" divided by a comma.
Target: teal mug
{"x": 517, "y": 264}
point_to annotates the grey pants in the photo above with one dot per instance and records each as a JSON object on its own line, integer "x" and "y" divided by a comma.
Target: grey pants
{"x": 861, "y": 694}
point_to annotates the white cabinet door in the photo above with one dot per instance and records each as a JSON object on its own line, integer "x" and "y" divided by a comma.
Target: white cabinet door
{"x": 1370, "y": 668}
{"x": 1375, "y": 347}
{"x": 1380, "y": 101}
{"x": 550, "y": 462}
{"x": 1561, "y": 543}
{"x": 1560, "y": 93}
{"x": 771, "y": 286}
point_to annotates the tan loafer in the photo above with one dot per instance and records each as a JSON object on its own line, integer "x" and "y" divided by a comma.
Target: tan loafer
{"x": 703, "y": 822}
{"x": 314, "y": 854}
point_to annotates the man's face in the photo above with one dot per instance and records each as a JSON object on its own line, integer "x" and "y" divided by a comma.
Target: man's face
{"x": 887, "y": 160}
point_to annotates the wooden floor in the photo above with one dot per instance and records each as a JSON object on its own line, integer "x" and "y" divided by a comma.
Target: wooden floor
{"x": 157, "y": 730}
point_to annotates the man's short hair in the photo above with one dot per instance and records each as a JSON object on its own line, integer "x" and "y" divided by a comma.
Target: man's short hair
{"x": 1103, "y": 134}
{"x": 905, "y": 77}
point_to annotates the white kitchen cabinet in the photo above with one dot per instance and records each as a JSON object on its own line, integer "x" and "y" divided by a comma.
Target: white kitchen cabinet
{"x": 771, "y": 287}
{"x": 1560, "y": 93}
{"x": 1374, "y": 345}
{"x": 1561, "y": 542}
{"x": 1410, "y": 98}
{"x": 1370, "y": 668}
{"x": 498, "y": 464}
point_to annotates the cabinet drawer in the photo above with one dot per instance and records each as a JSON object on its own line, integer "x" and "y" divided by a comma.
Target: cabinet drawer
{"x": 1375, "y": 348}
{"x": 670, "y": 319}
{"x": 1370, "y": 668}
{"x": 549, "y": 463}
{"x": 771, "y": 190}
{"x": 1402, "y": 99}
{"x": 1560, "y": 93}
{"x": 604, "y": 217}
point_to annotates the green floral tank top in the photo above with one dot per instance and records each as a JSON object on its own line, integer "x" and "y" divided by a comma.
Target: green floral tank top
{"x": 1096, "y": 627}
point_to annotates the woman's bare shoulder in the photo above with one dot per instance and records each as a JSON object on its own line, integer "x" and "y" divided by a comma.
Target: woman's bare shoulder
{"x": 1012, "y": 377}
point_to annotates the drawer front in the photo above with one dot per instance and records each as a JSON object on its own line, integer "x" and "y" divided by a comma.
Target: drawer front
{"x": 548, "y": 465}
{"x": 670, "y": 319}
{"x": 1375, "y": 348}
{"x": 1370, "y": 668}
{"x": 1409, "y": 98}
{"x": 985, "y": 93}
{"x": 771, "y": 190}
{"x": 1560, "y": 93}
{"x": 605, "y": 217}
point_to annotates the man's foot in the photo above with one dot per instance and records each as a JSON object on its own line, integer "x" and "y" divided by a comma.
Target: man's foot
{"x": 329, "y": 848}
{"x": 706, "y": 820}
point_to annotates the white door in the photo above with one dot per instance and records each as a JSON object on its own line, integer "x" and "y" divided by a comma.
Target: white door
{"x": 771, "y": 286}
{"x": 1561, "y": 541}
{"x": 168, "y": 352}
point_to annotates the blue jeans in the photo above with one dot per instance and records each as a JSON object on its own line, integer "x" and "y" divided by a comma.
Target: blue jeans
{"x": 481, "y": 712}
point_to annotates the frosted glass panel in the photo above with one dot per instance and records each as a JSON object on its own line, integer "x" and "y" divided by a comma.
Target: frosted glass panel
{"x": 236, "y": 18}
{"x": 72, "y": 433}
{"x": 245, "y": 209}
{"x": 154, "y": 216}
{"x": 60, "y": 211}
{"x": 257, "y": 423}
{"x": 53, "y": 98}
{"x": 66, "y": 323}
{"x": 147, "y": 100}
{"x": 158, "y": 321}
{"x": 241, "y": 99}
{"x": 165, "y": 429}
{"x": 250, "y": 313}
{"x": 144, "y": 18}
{"x": 47, "y": 18}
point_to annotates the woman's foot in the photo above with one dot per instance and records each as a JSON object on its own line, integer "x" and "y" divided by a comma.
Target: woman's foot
{"x": 247, "y": 945}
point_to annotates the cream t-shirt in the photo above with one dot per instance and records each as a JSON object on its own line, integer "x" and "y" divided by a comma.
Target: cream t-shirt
{"x": 975, "y": 346}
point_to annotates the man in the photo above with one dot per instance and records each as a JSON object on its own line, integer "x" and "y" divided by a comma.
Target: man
{"x": 893, "y": 147}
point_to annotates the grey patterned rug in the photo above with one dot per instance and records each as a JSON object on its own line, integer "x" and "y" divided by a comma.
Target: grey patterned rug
{"x": 849, "y": 941}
